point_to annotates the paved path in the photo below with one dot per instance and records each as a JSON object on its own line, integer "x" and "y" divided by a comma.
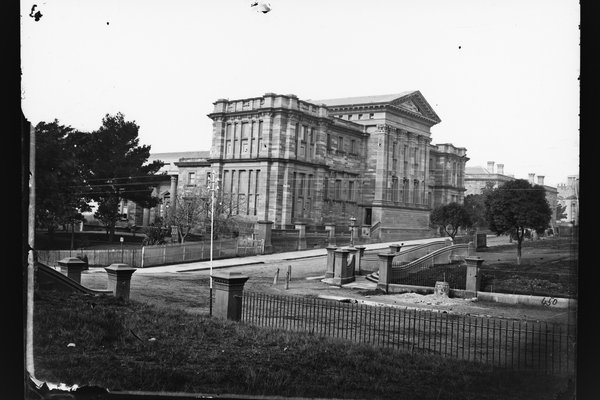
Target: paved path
{"x": 266, "y": 258}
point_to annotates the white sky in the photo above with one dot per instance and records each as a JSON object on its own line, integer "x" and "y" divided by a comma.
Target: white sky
{"x": 502, "y": 75}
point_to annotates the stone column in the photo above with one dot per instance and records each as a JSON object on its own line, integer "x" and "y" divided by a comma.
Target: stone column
{"x": 73, "y": 267}
{"x": 361, "y": 253}
{"x": 330, "y": 262}
{"x": 262, "y": 230}
{"x": 331, "y": 229}
{"x": 119, "y": 279}
{"x": 146, "y": 217}
{"x": 385, "y": 270}
{"x": 301, "y": 228}
{"x": 229, "y": 287}
{"x": 353, "y": 257}
{"x": 473, "y": 279}
{"x": 173, "y": 196}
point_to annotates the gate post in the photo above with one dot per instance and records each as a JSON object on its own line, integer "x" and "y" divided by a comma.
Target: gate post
{"x": 119, "y": 279}
{"x": 262, "y": 230}
{"x": 385, "y": 270}
{"x": 330, "y": 262}
{"x": 301, "y": 228}
{"x": 353, "y": 252}
{"x": 73, "y": 267}
{"x": 473, "y": 280}
{"x": 229, "y": 287}
{"x": 341, "y": 275}
{"x": 331, "y": 229}
{"x": 361, "y": 253}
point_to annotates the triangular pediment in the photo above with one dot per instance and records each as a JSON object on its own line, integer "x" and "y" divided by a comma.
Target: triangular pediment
{"x": 415, "y": 102}
{"x": 410, "y": 106}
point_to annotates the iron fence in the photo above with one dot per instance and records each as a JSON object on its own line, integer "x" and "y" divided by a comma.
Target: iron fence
{"x": 512, "y": 344}
{"x": 148, "y": 256}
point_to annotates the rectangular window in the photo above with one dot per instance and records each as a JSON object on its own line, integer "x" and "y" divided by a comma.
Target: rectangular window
{"x": 326, "y": 189}
{"x": 328, "y": 141}
{"x": 191, "y": 178}
{"x": 338, "y": 190}
{"x": 351, "y": 195}
{"x": 371, "y": 116}
{"x": 340, "y": 143}
{"x": 245, "y": 130}
{"x": 353, "y": 146}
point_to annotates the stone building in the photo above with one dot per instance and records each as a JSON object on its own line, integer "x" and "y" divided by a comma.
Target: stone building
{"x": 315, "y": 162}
{"x": 568, "y": 196}
{"x": 477, "y": 178}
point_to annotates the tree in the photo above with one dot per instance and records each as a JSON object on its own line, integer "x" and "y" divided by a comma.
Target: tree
{"x": 60, "y": 174}
{"x": 561, "y": 212}
{"x": 190, "y": 209}
{"x": 475, "y": 206}
{"x": 119, "y": 168}
{"x": 451, "y": 217}
{"x": 516, "y": 207}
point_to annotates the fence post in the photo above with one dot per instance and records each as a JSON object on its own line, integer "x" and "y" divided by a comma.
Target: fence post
{"x": 385, "y": 271}
{"x": 164, "y": 254}
{"x": 142, "y": 257}
{"x": 229, "y": 288}
{"x": 473, "y": 280}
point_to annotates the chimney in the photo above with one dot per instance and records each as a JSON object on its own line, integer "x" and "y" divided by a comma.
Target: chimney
{"x": 490, "y": 167}
{"x": 541, "y": 180}
{"x": 500, "y": 169}
{"x": 531, "y": 177}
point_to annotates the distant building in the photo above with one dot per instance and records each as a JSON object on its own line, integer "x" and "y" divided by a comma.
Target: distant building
{"x": 568, "y": 197}
{"x": 316, "y": 162}
{"x": 477, "y": 178}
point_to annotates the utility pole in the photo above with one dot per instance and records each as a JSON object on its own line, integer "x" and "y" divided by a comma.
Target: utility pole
{"x": 213, "y": 186}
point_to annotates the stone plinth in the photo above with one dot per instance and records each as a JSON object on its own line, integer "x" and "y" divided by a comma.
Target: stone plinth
{"x": 262, "y": 231}
{"x": 385, "y": 270}
{"x": 72, "y": 266}
{"x": 229, "y": 287}
{"x": 330, "y": 261}
{"x": 473, "y": 279}
{"x": 342, "y": 274}
{"x": 119, "y": 279}
{"x": 301, "y": 228}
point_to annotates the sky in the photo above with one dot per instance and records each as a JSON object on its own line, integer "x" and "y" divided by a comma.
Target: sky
{"x": 502, "y": 75}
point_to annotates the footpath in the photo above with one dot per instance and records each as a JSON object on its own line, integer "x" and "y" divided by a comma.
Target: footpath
{"x": 267, "y": 258}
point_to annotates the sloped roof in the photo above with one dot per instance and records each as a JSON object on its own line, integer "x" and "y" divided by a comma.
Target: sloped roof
{"x": 386, "y": 98}
{"x": 476, "y": 170}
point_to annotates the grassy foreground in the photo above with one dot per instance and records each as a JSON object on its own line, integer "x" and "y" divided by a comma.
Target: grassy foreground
{"x": 114, "y": 349}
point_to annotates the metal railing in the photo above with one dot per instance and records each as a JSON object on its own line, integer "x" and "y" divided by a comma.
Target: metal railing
{"x": 417, "y": 270}
{"x": 418, "y": 251}
{"x": 512, "y": 344}
{"x": 148, "y": 256}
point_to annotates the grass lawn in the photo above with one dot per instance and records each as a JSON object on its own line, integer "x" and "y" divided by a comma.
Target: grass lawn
{"x": 196, "y": 354}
